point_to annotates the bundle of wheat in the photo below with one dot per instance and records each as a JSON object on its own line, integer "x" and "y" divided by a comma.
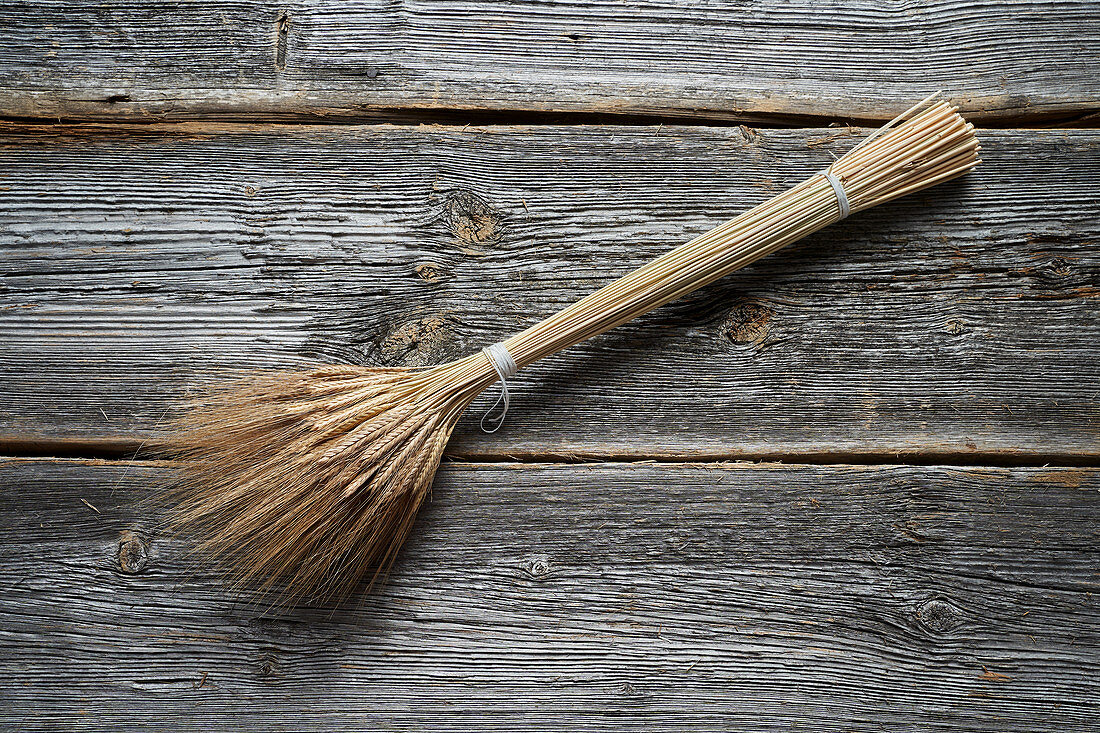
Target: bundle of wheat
{"x": 307, "y": 482}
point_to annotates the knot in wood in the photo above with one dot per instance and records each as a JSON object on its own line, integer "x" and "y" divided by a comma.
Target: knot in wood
{"x": 471, "y": 219}
{"x": 429, "y": 272}
{"x": 1060, "y": 267}
{"x": 418, "y": 343}
{"x": 939, "y": 616}
{"x": 268, "y": 667}
{"x": 955, "y": 327}
{"x": 748, "y": 322}
{"x": 133, "y": 553}
{"x": 537, "y": 567}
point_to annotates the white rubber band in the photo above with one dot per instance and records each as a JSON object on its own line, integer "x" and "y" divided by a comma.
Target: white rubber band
{"x": 841, "y": 197}
{"x": 505, "y": 367}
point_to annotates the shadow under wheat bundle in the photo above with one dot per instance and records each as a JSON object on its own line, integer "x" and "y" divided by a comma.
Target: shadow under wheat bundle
{"x": 305, "y": 483}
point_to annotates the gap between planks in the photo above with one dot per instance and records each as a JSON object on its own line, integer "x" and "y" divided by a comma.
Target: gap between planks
{"x": 412, "y": 116}
{"x": 111, "y": 451}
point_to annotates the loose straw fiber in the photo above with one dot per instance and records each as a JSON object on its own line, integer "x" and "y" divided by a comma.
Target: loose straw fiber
{"x": 305, "y": 483}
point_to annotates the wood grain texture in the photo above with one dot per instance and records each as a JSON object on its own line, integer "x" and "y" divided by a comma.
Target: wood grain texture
{"x": 606, "y": 596}
{"x": 729, "y": 59}
{"x": 137, "y": 265}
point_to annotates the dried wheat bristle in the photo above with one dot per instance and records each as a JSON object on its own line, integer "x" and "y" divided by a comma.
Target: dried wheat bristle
{"x": 305, "y": 483}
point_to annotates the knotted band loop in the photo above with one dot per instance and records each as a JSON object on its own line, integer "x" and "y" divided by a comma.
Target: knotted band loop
{"x": 841, "y": 197}
{"x": 505, "y": 366}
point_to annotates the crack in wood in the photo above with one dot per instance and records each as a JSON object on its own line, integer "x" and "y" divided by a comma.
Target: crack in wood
{"x": 282, "y": 36}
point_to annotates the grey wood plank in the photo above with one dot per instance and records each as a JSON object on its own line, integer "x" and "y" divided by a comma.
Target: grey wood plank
{"x": 137, "y": 265}
{"x": 584, "y": 597}
{"x": 147, "y": 60}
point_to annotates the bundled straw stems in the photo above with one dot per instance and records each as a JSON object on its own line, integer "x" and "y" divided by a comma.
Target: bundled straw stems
{"x": 306, "y": 483}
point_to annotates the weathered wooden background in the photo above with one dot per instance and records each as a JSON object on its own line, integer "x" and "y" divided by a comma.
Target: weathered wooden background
{"x": 854, "y": 487}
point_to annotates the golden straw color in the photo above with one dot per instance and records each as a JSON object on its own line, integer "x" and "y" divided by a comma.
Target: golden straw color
{"x": 304, "y": 484}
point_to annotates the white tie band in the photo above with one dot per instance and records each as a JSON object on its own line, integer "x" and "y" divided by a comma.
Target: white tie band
{"x": 505, "y": 367}
{"x": 841, "y": 197}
